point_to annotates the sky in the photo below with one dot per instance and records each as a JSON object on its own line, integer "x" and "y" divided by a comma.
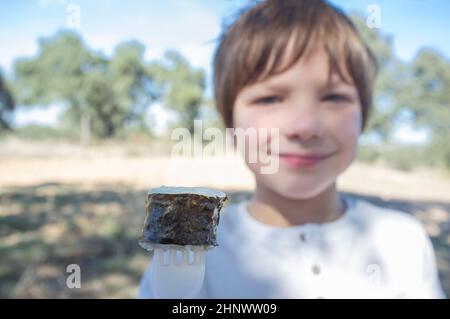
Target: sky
{"x": 190, "y": 27}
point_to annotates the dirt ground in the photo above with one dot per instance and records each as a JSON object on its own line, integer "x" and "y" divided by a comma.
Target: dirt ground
{"x": 62, "y": 204}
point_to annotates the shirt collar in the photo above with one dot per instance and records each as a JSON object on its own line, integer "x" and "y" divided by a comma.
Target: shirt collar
{"x": 344, "y": 226}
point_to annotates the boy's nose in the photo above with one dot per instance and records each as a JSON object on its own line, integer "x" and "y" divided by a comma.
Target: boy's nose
{"x": 302, "y": 122}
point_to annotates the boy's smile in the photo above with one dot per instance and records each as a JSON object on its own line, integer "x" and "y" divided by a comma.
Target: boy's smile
{"x": 295, "y": 160}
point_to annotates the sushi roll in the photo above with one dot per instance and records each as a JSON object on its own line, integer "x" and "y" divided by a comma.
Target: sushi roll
{"x": 182, "y": 216}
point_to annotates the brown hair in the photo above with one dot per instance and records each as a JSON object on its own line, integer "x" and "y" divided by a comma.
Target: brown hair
{"x": 261, "y": 33}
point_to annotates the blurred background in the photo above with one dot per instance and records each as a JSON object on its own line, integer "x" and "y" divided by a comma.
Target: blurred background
{"x": 90, "y": 91}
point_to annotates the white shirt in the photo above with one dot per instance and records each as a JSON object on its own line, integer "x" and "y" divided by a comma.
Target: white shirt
{"x": 369, "y": 252}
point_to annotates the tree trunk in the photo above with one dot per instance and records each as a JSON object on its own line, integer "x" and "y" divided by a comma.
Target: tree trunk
{"x": 85, "y": 131}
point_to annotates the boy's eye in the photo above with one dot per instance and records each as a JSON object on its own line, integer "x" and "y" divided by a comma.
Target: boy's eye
{"x": 268, "y": 100}
{"x": 335, "y": 97}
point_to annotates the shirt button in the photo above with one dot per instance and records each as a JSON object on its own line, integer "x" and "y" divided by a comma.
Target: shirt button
{"x": 316, "y": 269}
{"x": 302, "y": 237}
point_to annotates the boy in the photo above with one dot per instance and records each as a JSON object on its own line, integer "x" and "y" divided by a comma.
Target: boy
{"x": 301, "y": 66}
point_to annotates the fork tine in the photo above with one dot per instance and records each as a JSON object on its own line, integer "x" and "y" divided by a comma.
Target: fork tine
{"x": 159, "y": 256}
{"x": 173, "y": 256}
{"x": 198, "y": 256}
{"x": 185, "y": 260}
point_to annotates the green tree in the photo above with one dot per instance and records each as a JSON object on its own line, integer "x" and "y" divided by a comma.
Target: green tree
{"x": 56, "y": 74}
{"x": 132, "y": 83}
{"x": 183, "y": 87}
{"x": 118, "y": 94}
{"x": 414, "y": 93}
{"x": 7, "y": 105}
{"x": 102, "y": 94}
{"x": 385, "y": 111}
{"x": 426, "y": 94}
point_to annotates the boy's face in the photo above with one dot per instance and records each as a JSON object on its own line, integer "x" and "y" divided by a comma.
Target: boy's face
{"x": 315, "y": 117}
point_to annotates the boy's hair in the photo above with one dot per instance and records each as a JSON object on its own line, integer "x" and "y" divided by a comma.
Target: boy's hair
{"x": 261, "y": 34}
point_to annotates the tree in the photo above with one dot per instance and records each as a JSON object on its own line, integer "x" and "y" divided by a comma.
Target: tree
{"x": 118, "y": 94}
{"x": 183, "y": 87}
{"x": 132, "y": 83}
{"x": 102, "y": 94}
{"x": 426, "y": 95}
{"x": 385, "y": 109}
{"x": 417, "y": 92}
{"x": 7, "y": 105}
{"x": 57, "y": 73}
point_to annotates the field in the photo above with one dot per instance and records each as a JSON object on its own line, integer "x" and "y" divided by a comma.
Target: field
{"x": 61, "y": 204}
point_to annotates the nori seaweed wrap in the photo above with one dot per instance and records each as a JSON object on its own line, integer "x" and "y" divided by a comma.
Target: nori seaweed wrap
{"x": 182, "y": 216}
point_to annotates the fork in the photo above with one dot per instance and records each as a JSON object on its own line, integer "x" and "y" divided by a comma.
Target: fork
{"x": 177, "y": 272}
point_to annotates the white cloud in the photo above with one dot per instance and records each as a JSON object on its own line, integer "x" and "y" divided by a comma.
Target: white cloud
{"x": 406, "y": 134}
{"x": 48, "y": 116}
{"x": 159, "y": 117}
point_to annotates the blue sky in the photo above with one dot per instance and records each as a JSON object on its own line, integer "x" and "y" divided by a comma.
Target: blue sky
{"x": 190, "y": 27}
